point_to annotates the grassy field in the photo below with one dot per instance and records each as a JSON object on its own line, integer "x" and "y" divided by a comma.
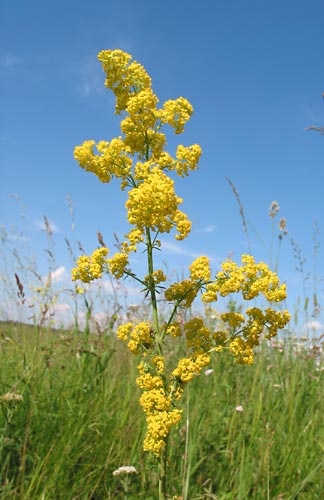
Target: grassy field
{"x": 70, "y": 417}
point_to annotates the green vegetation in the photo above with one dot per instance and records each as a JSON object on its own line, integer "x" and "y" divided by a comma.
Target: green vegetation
{"x": 254, "y": 432}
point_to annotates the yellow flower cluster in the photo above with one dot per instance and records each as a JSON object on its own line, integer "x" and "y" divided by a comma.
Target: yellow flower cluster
{"x": 91, "y": 268}
{"x": 173, "y": 329}
{"x": 154, "y": 204}
{"x": 123, "y": 76}
{"x": 269, "y": 319}
{"x": 134, "y": 237}
{"x": 112, "y": 160}
{"x": 176, "y": 113}
{"x": 148, "y": 381}
{"x": 243, "y": 334}
{"x": 157, "y": 405}
{"x": 159, "y": 425}
{"x": 251, "y": 279}
{"x": 200, "y": 269}
{"x": 188, "y": 368}
{"x": 198, "y": 336}
{"x": 137, "y": 157}
{"x": 241, "y": 351}
{"x": 143, "y": 115}
{"x": 187, "y": 159}
{"x": 184, "y": 292}
{"x": 233, "y": 319}
{"x": 139, "y": 337}
{"x": 155, "y": 278}
{"x": 154, "y": 401}
{"x": 117, "y": 264}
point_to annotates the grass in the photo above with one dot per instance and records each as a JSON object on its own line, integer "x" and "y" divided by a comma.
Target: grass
{"x": 79, "y": 420}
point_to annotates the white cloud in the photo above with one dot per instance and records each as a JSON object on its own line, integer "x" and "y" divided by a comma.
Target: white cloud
{"x": 58, "y": 275}
{"x": 9, "y": 60}
{"x": 46, "y": 226}
{"x": 18, "y": 237}
{"x": 91, "y": 77}
{"x": 59, "y": 308}
{"x": 310, "y": 115}
{"x": 314, "y": 325}
{"x": 211, "y": 228}
{"x": 177, "y": 249}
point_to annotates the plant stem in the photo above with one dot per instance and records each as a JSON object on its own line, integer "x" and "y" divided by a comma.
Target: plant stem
{"x": 163, "y": 473}
{"x": 158, "y": 343}
{"x": 152, "y": 289}
{"x": 186, "y": 465}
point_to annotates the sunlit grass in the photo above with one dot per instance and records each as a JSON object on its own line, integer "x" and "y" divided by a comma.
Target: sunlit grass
{"x": 254, "y": 432}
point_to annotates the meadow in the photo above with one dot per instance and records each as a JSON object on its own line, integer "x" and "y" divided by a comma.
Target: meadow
{"x": 70, "y": 418}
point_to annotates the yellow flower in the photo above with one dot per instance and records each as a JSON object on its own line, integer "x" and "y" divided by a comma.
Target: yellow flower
{"x": 200, "y": 269}
{"x": 158, "y": 427}
{"x": 188, "y": 368}
{"x": 153, "y": 203}
{"x": 143, "y": 115}
{"x": 148, "y": 381}
{"x": 183, "y": 225}
{"x": 156, "y": 277}
{"x": 117, "y": 264}
{"x": 159, "y": 363}
{"x": 155, "y": 400}
{"x": 90, "y": 268}
{"x": 233, "y": 319}
{"x": 139, "y": 337}
{"x": 184, "y": 292}
{"x": 241, "y": 351}
{"x": 135, "y": 236}
{"x": 198, "y": 336}
{"x": 210, "y": 295}
{"x": 123, "y": 331}
{"x": 187, "y": 159}
{"x": 112, "y": 160}
{"x": 251, "y": 279}
{"x": 124, "y": 76}
{"x": 174, "y": 329}
{"x": 176, "y": 113}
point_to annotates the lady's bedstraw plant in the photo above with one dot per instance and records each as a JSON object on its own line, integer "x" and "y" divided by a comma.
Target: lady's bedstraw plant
{"x": 139, "y": 159}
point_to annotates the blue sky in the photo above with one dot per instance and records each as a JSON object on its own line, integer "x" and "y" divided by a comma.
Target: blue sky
{"x": 254, "y": 73}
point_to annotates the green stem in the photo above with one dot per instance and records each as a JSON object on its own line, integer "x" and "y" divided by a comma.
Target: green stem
{"x": 163, "y": 473}
{"x": 158, "y": 343}
{"x": 152, "y": 290}
{"x": 186, "y": 465}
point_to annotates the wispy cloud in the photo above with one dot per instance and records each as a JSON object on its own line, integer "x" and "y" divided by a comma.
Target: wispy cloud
{"x": 8, "y": 60}
{"x": 92, "y": 78}
{"x": 312, "y": 118}
{"x": 211, "y": 228}
{"x": 59, "y": 308}
{"x": 314, "y": 325}
{"x": 46, "y": 226}
{"x": 16, "y": 237}
{"x": 175, "y": 248}
{"x": 58, "y": 275}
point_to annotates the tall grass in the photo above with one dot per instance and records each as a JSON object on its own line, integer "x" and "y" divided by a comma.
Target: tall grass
{"x": 254, "y": 432}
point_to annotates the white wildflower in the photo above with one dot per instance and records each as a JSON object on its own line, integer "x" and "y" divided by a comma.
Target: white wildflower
{"x": 125, "y": 469}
